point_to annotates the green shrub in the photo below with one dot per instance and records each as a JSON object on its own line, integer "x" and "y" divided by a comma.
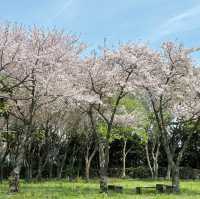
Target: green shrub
{"x": 139, "y": 172}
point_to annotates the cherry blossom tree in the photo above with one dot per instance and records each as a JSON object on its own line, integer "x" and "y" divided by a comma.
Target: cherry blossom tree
{"x": 11, "y": 56}
{"x": 168, "y": 79}
{"x": 172, "y": 86}
{"x": 33, "y": 59}
{"x": 107, "y": 80}
{"x": 42, "y": 69}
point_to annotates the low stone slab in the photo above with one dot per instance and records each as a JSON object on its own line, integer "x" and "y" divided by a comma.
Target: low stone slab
{"x": 139, "y": 189}
{"x": 115, "y": 188}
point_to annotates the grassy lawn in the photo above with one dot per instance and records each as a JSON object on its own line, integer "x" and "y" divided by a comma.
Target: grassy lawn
{"x": 81, "y": 189}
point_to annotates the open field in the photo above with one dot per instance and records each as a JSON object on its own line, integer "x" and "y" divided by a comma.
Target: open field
{"x": 74, "y": 190}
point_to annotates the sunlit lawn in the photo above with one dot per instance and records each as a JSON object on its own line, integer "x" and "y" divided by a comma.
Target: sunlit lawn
{"x": 68, "y": 190}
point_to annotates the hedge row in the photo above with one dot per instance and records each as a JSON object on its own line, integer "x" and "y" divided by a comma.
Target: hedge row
{"x": 144, "y": 172}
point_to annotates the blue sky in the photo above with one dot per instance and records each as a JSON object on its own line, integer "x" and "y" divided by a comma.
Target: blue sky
{"x": 151, "y": 21}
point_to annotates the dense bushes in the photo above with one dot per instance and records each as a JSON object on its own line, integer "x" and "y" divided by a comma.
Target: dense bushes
{"x": 144, "y": 172}
{"x": 132, "y": 172}
{"x": 139, "y": 172}
{"x": 189, "y": 173}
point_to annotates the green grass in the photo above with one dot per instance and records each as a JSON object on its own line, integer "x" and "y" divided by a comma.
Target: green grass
{"x": 75, "y": 190}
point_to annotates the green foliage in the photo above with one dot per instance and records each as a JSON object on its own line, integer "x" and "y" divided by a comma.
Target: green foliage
{"x": 4, "y": 107}
{"x": 128, "y": 104}
{"x": 139, "y": 172}
{"x": 7, "y": 136}
{"x": 141, "y": 132}
{"x": 6, "y": 84}
{"x": 131, "y": 104}
{"x": 122, "y": 132}
{"x": 39, "y": 135}
{"x": 102, "y": 128}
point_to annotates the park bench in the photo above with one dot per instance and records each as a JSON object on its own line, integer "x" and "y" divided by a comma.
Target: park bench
{"x": 139, "y": 189}
{"x": 115, "y": 188}
{"x": 161, "y": 188}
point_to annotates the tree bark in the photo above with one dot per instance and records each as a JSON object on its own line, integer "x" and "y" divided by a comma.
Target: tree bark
{"x": 174, "y": 165}
{"x": 168, "y": 176}
{"x": 148, "y": 159}
{"x": 175, "y": 179}
{"x": 62, "y": 166}
{"x": 103, "y": 160}
{"x": 15, "y": 174}
{"x": 50, "y": 170}
{"x": 30, "y": 172}
{"x": 155, "y": 160}
{"x": 124, "y": 159}
{"x": 14, "y": 181}
{"x": 88, "y": 160}
{"x": 155, "y": 168}
{"x": 87, "y": 170}
{"x": 1, "y": 173}
{"x": 39, "y": 171}
{"x": 154, "y": 165}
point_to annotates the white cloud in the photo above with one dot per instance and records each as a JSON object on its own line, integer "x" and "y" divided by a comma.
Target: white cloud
{"x": 186, "y": 14}
{"x": 64, "y": 7}
{"x": 185, "y": 21}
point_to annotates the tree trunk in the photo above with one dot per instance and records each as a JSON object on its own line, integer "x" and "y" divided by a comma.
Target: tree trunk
{"x": 155, "y": 168}
{"x": 87, "y": 169}
{"x": 148, "y": 160}
{"x": 168, "y": 176}
{"x": 2, "y": 162}
{"x": 1, "y": 173}
{"x": 124, "y": 159}
{"x": 175, "y": 179}
{"x": 62, "y": 166}
{"x": 15, "y": 174}
{"x": 103, "y": 160}
{"x": 124, "y": 167}
{"x": 87, "y": 164}
{"x": 174, "y": 166}
{"x": 14, "y": 181}
{"x": 88, "y": 160}
{"x": 50, "y": 170}
{"x": 155, "y": 160}
{"x": 41, "y": 166}
{"x": 30, "y": 172}
{"x": 39, "y": 171}
{"x": 27, "y": 174}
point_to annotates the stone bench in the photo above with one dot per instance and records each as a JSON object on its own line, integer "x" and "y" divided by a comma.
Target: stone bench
{"x": 115, "y": 188}
{"x": 160, "y": 188}
{"x": 139, "y": 189}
